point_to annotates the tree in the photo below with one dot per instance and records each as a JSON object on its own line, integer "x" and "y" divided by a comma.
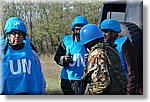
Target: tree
{"x": 48, "y": 21}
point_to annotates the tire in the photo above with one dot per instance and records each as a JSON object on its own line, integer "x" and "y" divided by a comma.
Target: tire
{"x": 135, "y": 35}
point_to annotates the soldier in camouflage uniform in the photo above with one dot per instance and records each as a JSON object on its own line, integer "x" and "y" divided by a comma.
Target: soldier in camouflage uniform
{"x": 104, "y": 72}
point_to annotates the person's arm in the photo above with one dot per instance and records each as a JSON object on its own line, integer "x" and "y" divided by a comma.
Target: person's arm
{"x": 131, "y": 63}
{"x": 60, "y": 55}
{"x": 37, "y": 61}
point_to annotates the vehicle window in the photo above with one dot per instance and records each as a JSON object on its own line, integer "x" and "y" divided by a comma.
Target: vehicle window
{"x": 116, "y": 15}
{"x": 137, "y": 12}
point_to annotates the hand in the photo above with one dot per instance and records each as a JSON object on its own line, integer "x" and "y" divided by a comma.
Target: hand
{"x": 68, "y": 59}
{"x": 86, "y": 56}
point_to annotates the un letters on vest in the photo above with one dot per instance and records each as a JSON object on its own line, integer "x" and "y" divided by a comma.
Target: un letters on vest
{"x": 22, "y": 66}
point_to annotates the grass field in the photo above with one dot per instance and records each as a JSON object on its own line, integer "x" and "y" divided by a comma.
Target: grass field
{"x": 52, "y": 75}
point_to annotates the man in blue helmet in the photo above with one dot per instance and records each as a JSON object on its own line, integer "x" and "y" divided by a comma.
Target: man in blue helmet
{"x": 104, "y": 73}
{"x": 70, "y": 55}
{"x": 111, "y": 28}
{"x": 21, "y": 71}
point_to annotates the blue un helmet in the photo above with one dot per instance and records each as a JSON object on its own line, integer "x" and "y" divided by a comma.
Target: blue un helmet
{"x": 79, "y": 20}
{"x": 110, "y": 24}
{"x": 15, "y": 23}
{"x": 89, "y": 33}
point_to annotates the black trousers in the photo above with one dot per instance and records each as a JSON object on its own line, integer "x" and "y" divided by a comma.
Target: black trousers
{"x": 72, "y": 87}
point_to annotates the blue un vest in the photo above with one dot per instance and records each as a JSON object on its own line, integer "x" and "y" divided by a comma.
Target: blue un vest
{"x": 20, "y": 72}
{"x": 75, "y": 69}
{"x": 120, "y": 41}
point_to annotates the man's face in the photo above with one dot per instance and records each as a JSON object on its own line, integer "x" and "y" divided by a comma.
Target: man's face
{"x": 16, "y": 38}
{"x": 109, "y": 35}
{"x": 77, "y": 32}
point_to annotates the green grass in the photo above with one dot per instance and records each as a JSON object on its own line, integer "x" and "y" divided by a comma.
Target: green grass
{"x": 52, "y": 75}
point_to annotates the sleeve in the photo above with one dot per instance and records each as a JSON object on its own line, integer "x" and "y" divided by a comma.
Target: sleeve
{"x": 60, "y": 54}
{"x": 131, "y": 63}
{"x": 37, "y": 61}
{"x": 1, "y": 79}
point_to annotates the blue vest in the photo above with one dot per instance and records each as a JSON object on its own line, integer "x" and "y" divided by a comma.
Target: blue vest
{"x": 20, "y": 72}
{"x": 75, "y": 69}
{"x": 120, "y": 41}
